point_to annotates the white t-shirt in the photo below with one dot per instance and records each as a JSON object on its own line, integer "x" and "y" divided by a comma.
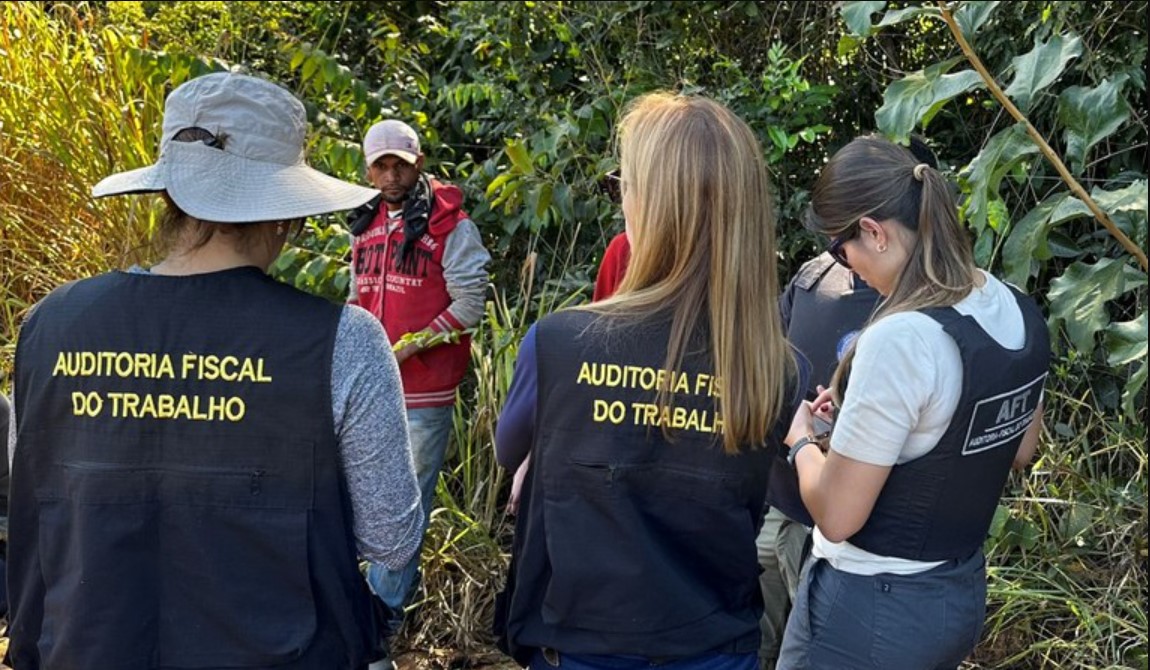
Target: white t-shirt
{"x": 905, "y": 384}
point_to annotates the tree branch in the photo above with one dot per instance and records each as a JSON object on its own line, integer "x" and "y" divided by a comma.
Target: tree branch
{"x": 1075, "y": 187}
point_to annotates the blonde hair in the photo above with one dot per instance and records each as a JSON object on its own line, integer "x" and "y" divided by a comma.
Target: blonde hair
{"x": 703, "y": 252}
{"x": 876, "y": 178}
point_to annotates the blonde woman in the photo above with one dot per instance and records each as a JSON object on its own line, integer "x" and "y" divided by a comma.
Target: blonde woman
{"x": 652, "y": 418}
{"x": 944, "y": 394}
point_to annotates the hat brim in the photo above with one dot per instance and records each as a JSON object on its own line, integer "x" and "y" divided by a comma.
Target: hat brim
{"x": 213, "y": 185}
{"x": 405, "y": 155}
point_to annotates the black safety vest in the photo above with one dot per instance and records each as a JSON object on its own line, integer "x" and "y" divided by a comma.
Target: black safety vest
{"x": 824, "y": 308}
{"x": 627, "y": 543}
{"x": 177, "y": 494}
{"x": 939, "y": 506}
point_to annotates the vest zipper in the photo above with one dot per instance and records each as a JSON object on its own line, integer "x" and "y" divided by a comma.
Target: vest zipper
{"x": 255, "y": 476}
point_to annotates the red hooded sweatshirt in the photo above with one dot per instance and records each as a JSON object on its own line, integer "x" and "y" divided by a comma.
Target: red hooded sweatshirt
{"x": 410, "y": 296}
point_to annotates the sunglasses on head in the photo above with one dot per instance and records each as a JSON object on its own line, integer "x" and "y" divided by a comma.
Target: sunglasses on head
{"x": 835, "y": 248}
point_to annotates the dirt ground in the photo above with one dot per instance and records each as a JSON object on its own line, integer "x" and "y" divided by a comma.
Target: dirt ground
{"x": 447, "y": 659}
{"x": 435, "y": 659}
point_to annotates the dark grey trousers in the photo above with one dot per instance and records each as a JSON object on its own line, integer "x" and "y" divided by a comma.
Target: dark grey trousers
{"x": 927, "y": 621}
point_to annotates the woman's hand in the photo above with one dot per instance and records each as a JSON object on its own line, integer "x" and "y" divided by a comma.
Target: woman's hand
{"x": 803, "y": 423}
{"x": 517, "y": 486}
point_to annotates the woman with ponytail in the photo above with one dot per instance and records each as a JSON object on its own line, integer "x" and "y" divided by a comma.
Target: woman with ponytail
{"x": 941, "y": 393}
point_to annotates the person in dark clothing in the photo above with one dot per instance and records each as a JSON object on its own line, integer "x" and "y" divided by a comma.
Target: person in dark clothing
{"x": 938, "y": 397}
{"x": 201, "y": 453}
{"x": 652, "y": 418}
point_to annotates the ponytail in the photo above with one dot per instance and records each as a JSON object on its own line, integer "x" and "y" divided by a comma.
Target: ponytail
{"x": 873, "y": 177}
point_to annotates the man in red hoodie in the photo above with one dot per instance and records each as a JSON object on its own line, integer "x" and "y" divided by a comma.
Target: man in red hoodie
{"x": 418, "y": 265}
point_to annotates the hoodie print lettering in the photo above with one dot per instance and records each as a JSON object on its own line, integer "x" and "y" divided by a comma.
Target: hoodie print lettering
{"x": 409, "y": 272}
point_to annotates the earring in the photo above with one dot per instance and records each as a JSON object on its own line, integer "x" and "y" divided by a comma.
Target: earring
{"x": 882, "y": 248}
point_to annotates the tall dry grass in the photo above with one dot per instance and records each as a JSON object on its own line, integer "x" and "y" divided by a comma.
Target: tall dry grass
{"x": 72, "y": 111}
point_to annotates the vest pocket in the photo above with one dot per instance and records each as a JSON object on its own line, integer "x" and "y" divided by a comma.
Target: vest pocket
{"x": 646, "y": 548}
{"x": 176, "y": 565}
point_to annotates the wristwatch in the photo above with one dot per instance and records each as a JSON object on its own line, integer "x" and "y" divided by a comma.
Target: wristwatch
{"x": 799, "y": 444}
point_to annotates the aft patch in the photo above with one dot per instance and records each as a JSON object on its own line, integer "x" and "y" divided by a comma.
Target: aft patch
{"x": 1000, "y": 419}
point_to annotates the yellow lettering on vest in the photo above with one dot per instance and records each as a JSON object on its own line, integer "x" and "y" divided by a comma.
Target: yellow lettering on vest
{"x": 187, "y": 365}
{"x": 129, "y": 405}
{"x": 260, "y": 376}
{"x": 584, "y": 374}
{"x": 693, "y": 420}
{"x": 183, "y": 408}
{"x": 61, "y": 365}
{"x": 647, "y": 378}
{"x": 216, "y": 408}
{"x": 681, "y": 385}
{"x": 88, "y": 364}
{"x": 148, "y": 407}
{"x": 124, "y": 364}
{"x": 210, "y": 369}
{"x": 197, "y": 413}
{"x": 227, "y": 368}
{"x": 165, "y": 368}
{"x": 248, "y": 371}
{"x": 142, "y": 365}
{"x": 165, "y": 406}
{"x": 86, "y": 404}
{"x": 235, "y": 409}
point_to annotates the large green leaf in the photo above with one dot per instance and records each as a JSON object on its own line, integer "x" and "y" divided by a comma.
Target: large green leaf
{"x": 1037, "y": 69}
{"x": 1129, "y": 199}
{"x": 985, "y": 172}
{"x": 857, "y": 16}
{"x": 909, "y": 100}
{"x": 1025, "y": 238}
{"x": 896, "y": 16}
{"x": 1125, "y": 344}
{"x": 1078, "y": 298}
{"x": 1090, "y": 115}
{"x": 971, "y": 15}
{"x": 1126, "y": 341}
{"x": 1029, "y": 237}
{"x": 519, "y": 156}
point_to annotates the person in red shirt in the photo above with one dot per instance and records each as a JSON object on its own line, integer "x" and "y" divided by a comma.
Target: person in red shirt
{"x": 613, "y": 267}
{"x": 419, "y": 266}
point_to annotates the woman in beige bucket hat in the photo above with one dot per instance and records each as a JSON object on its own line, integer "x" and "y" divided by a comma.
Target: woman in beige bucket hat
{"x": 201, "y": 454}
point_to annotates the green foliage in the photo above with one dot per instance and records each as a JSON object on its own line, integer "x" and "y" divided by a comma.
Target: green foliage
{"x": 517, "y": 103}
{"x": 1078, "y": 298}
{"x": 316, "y": 261}
{"x": 1059, "y": 594}
{"x": 1090, "y": 115}
{"x": 1041, "y": 67}
{"x": 983, "y": 177}
{"x": 917, "y": 97}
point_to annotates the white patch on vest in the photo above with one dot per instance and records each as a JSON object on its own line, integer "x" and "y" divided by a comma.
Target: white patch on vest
{"x": 1002, "y": 418}
{"x": 845, "y": 343}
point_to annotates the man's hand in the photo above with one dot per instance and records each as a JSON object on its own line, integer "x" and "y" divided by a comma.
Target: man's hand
{"x": 405, "y": 352}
